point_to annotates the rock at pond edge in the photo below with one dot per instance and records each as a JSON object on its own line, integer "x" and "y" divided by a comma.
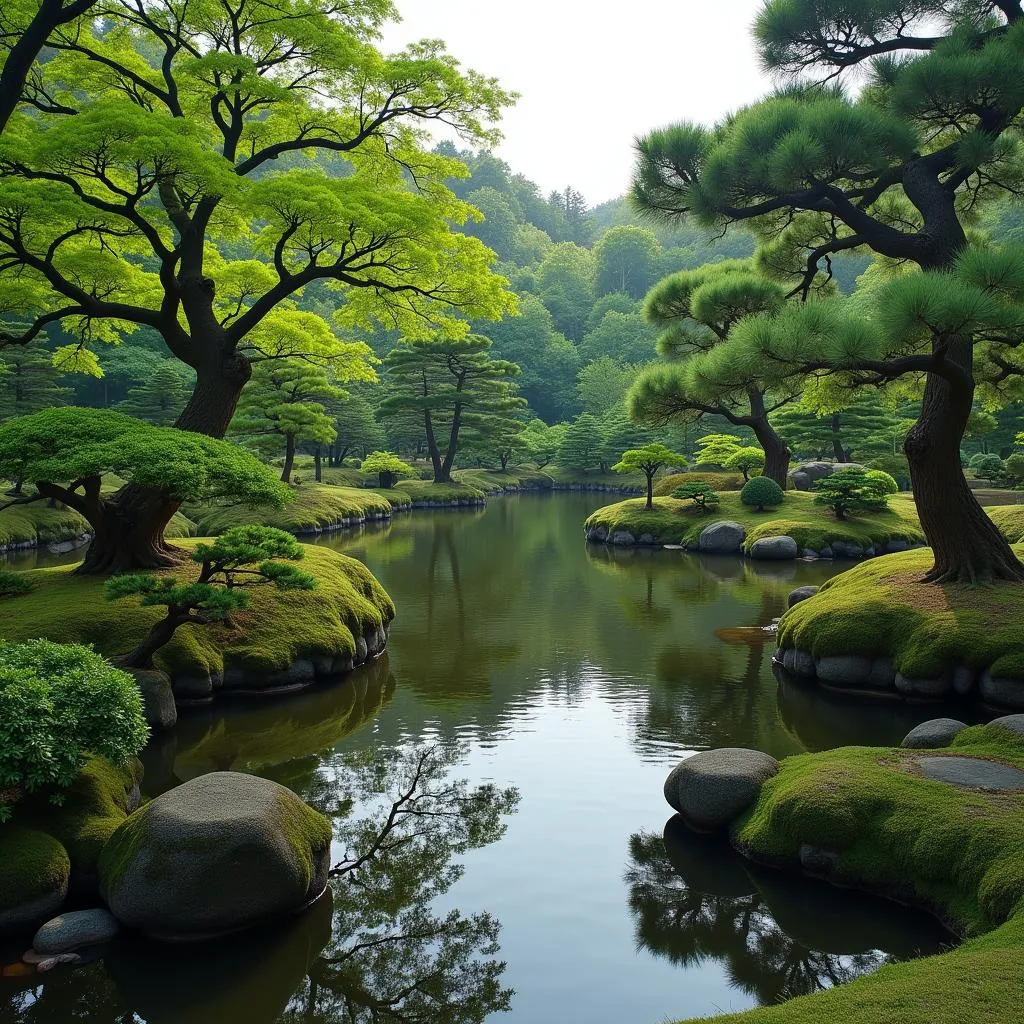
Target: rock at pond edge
{"x": 711, "y": 788}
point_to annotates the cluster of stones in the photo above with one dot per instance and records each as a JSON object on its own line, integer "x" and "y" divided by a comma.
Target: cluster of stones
{"x": 216, "y": 855}
{"x": 877, "y": 675}
{"x": 163, "y": 694}
{"x": 725, "y": 537}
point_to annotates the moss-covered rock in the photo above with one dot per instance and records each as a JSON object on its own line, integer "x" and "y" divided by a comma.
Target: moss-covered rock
{"x": 34, "y": 873}
{"x": 287, "y": 638}
{"x": 940, "y": 640}
{"x": 220, "y": 853}
{"x": 867, "y": 817}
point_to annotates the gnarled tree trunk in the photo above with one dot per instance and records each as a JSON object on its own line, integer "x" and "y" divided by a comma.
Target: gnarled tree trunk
{"x": 967, "y": 545}
{"x": 129, "y": 531}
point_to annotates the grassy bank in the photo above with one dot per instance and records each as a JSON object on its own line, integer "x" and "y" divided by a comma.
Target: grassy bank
{"x": 880, "y": 608}
{"x": 959, "y": 852}
{"x": 316, "y": 507}
{"x": 811, "y": 526}
{"x": 280, "y": 626}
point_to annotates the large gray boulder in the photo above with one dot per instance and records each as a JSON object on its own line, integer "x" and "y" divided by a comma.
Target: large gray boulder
{"x": 774, "y": 548}
{"x": 1015, "y": 723}
{"x": 158, "y": 703}
{"x": 78, "y": 928}
{"x": 713, "y": 787}
{"x": 933, "y": 734}
{"x": 722, "y": 538}
{"x": 807, "y": 474}
{"x": 222, "y": 852}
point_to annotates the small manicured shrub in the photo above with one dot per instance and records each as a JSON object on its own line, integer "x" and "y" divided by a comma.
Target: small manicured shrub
{"x": 884, "y": 480}
{"x": 13, "y": 583}
{"x": 1014, "y": 467}
{"x": 852, "y": 490}
{"x": 388, "y": 467}
{"x": 761, "y": 492}
{"x": 702, "y": 494}
{"x": 59, "y": 702}
{"x": 746, "y": 460}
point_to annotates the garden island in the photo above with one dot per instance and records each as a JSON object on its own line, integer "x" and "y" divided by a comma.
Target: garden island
{"x": 386, "y": 538}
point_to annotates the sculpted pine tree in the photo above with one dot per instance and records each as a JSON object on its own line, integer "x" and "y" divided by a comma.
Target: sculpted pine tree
{"x": 284, "y": 403}
{"x": 896, "y": 171}
{"x": 65, "y": 454}
{"x": 211, "y": 160}
{"x": 451, "y": 384}
{"x": 696, "y": 310}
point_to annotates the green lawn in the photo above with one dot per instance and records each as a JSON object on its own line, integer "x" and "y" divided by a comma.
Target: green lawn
{"x": 680, "y": 522}
{"x": 959, "y": 852}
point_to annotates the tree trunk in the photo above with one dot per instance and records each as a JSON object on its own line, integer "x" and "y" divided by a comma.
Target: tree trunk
{"x": 289, "y": 458}
{"x": 650, "y": 491}
{"x": 837, "y": 443}
{"x": 453, "y": 444}
{"x": 318, "y": 465}
{"x": 435, "y": 454}
{"x": 128, "y": 533}
{"x": 158, "y": 636}
{"x": 776, "y": 454}
{"x": 967, "y": 546}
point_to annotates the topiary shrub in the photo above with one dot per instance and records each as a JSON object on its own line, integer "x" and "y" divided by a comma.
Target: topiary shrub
{"x": 884, "y": 480}
{"x": 853, "y": 490}
{"x": 702, "y": 494}
{"x": 761, "y": 492}
{"x": 59, "y": 702}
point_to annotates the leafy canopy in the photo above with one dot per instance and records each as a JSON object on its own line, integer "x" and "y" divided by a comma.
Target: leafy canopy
{"x": 648, "y": 459}
{"x": 74, "y": 447}
{"x": 386, "y": 462}
{"x": 59, "y": 703}
{"x": 853, "y": 490}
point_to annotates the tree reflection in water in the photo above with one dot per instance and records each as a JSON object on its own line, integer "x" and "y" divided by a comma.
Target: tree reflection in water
{"x": 373, "y": 950}
{"x": 694, "y": 899}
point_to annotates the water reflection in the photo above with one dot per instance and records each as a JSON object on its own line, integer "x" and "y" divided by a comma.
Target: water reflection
{"x": 694, "y": 899}
{"x": 373, "y": 949}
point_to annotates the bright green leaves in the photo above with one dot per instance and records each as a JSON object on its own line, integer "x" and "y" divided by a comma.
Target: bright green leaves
{"x": 65, "y": 446}
{"x": 387, "y": 463}
{"x": 648, "y": 459}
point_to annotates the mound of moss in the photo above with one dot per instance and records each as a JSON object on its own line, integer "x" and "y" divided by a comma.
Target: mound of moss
{"x": 888, "y": 829}
{"x": 421, "y": 491}
{"x": 316, "y": 507}
{"x": 719, "y": 481}
{"x": 880, "y": 608}
{"x": 1010, "y": 520}
{"x": 280, "y": 627}
{"x": 493, "y": 481}
{"x": 32, "y": 865}
{"x": 673, "y": 521}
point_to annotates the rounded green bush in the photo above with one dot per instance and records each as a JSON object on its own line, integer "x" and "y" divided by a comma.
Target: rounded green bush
{"x": 761, "y": 491}
{"x": 885, "y": 481}
{"x": 58, "y": 703}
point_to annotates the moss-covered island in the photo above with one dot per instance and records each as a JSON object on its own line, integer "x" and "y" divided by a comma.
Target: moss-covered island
{"x": 878, "y": 628}
{"x": 870, "y": 818}
{"x": 813, "y": 528}
{"x": 285, "y": 639}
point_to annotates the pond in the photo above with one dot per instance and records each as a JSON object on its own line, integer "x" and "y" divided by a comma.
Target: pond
{"x": 580, "y": 676}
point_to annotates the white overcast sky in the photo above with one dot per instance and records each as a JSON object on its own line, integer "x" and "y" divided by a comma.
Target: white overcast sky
{"x": 592, "y": 76}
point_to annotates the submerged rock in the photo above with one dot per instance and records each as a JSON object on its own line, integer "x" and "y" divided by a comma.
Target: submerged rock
{"x": 71, "y": 931}
{"x": 220, "y": 853}
{"x": 713, "y": 787}
{"x": 933, "y": 734}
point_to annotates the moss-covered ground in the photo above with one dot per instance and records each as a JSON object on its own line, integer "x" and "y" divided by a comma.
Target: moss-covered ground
{"x": 45, "y": 842}
{"x": 958, "y": 852}
{"x": 278, "y": 628}
{"x": 427, "y": 490}
{"x": 719, "y": 481}
{"x": 494, "y": 480}
{"x": 680, "y": 522}
{"x": 880, "y": 607}
{"x": 316, "y": 507}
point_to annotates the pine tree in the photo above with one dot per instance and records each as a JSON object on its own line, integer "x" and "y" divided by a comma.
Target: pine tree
{"x": 160, "y": 398}
{"x": 450, "y": 384}
{"x": 896, "y": 171}
{"x": 28, "y": 382}
{"x": 283, "y": 403}
{"x": 582, "y": 445}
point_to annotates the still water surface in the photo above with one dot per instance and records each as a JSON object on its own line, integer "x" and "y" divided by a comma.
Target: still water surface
{"x": 579, "y": 676}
